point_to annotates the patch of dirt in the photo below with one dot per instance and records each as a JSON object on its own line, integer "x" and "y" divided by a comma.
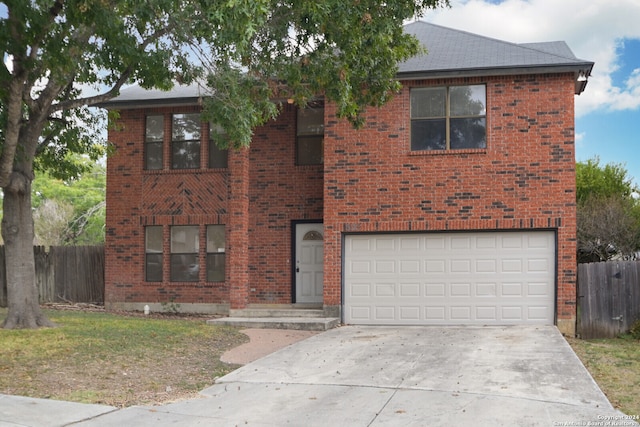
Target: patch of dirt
{"x": 148, "y": 378}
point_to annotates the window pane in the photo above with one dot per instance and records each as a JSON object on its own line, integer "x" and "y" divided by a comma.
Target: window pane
{"x": 468, "y": 133}
{"x": 185, "y": 239}
{"x": 153, "y": 239}
{"x": 153, "y": 249}
{"x": 153, "y": 267}
{"x": 153, "y": 155}
{"x": 154, "y": 130}
{"x": 310, "y": 150}
{"x": 215, "y": 267}
{"x": 185, "y": 154}
{"x": 428, "y": 102}
{"x": 217, "y": 157}
{"x": 310, "y": 121}
{"x": 428, "y": 135}
{"x": 468, "y": 100}
{"x": 215, "y": 238}
{"x": 185, "y": 268}
{"x": 185, "y": 127}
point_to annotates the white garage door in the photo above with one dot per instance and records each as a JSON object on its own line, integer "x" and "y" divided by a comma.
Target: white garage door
{"x": 480, "y": 278}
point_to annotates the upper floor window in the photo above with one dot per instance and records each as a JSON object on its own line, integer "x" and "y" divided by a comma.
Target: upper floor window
{"x": 185, "y": 141}
{"x": 310, "y": 136}
{"x": 218, "y": 157}
{"x": 153, "y": 137}
{"x": 448, "y": 118}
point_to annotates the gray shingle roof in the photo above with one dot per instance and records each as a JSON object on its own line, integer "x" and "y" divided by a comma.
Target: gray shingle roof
{"x": 458, "y": 53}
{"x": 450, "y": 53}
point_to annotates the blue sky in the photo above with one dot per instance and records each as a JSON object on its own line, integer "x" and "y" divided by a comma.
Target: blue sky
{"x": 603, "y": 31}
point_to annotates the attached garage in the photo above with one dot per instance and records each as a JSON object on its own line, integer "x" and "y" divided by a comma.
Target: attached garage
{"x": 468, "y": 278}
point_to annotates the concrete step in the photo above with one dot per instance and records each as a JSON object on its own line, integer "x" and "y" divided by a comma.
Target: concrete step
{"x": 277, "y": 312}
{"x": 296, "y": 323}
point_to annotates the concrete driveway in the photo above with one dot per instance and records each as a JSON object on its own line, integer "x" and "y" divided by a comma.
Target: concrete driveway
{"x": 399, "y": 376}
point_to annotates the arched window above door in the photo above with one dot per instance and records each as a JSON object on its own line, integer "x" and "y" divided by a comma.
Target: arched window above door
{"x": 312, "y": 235}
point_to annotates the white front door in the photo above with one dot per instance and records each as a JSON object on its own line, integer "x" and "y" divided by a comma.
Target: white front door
{"x": 309, "y": 262}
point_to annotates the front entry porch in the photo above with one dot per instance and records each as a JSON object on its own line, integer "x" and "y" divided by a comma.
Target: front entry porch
{"x": 305, "y": 317}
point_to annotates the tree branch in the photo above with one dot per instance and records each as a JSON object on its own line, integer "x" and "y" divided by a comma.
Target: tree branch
{"x": 115, "y": 89}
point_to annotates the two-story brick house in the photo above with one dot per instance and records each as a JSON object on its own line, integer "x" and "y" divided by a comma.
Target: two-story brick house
{"x": 454, "y": 204}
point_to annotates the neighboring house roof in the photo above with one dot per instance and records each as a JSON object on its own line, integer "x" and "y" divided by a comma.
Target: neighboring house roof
{"x": 450, "y": 53}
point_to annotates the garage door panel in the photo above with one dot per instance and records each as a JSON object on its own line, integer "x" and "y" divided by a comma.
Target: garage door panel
{"x": 360, "y": 266}
{"x": 360, "y": 313}
{"x": 487, "y": 314}
{"x": 384, "y": 313}
{"x": 434, "y": 289}
{"x": 486, "y": 266}
{"x": 460, "y": 266}
{"x": 411, "y": 266}
{"x": 384, "y": 290}
{"x": 489, "y": 290}
{"x": 538, "y": 289}
{"x": 385, "y": 266}
{"x": 359, "y": 290}
{"x": 410, "y": 290}
{"x": 435, "y": 266}
{"x": 476, "y": 278}
{"x": 537, "y": 265}
{"x": 512, "y": 242}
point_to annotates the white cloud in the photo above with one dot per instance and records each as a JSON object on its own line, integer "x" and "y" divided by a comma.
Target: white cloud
{"x": 594, "y": 29}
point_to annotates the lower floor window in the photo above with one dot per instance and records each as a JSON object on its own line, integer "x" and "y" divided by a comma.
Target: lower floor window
{"x": 153, "y": 253}
{"x": 185, "y": 257}
{"x": 185, "y": 262}
{"x": 215, "y": 253}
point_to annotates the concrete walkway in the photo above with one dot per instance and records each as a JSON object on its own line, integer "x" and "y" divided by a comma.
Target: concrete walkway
{"x": 379, "y": 376}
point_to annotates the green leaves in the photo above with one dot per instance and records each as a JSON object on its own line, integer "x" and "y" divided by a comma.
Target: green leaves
{"x": 608, "y": 212}
{"x": 253, "y": 52}
{"x": 595, "y": 180}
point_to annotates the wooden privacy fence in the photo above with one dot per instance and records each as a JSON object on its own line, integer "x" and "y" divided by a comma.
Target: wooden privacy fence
{"x": 64, "y": 274}
{"x": 608, "y": 298}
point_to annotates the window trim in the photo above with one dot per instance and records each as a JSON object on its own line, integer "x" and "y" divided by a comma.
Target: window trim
{"x": 447, "y": 119}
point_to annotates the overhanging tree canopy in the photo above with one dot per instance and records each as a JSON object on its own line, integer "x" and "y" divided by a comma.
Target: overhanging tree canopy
{"x": 252, "y": 51}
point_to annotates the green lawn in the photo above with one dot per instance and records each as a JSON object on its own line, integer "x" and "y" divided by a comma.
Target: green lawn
{"x": 615, "y": 366}
{"x": 98, "y": 357}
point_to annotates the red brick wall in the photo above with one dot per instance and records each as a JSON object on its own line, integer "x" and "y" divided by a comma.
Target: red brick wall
{"x": 136, "y": 198}
{"x": 280, "y": 193}
{"x": 258, "y": 212}
{"x": 524, "y": 179}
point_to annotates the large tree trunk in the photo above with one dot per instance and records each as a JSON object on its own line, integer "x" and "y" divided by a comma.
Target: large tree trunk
{"x": 17, "y": 232}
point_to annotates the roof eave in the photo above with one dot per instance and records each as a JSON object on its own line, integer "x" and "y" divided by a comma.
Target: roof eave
{"x": 129, "y": 104}
{"x": 581, "y": 72}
